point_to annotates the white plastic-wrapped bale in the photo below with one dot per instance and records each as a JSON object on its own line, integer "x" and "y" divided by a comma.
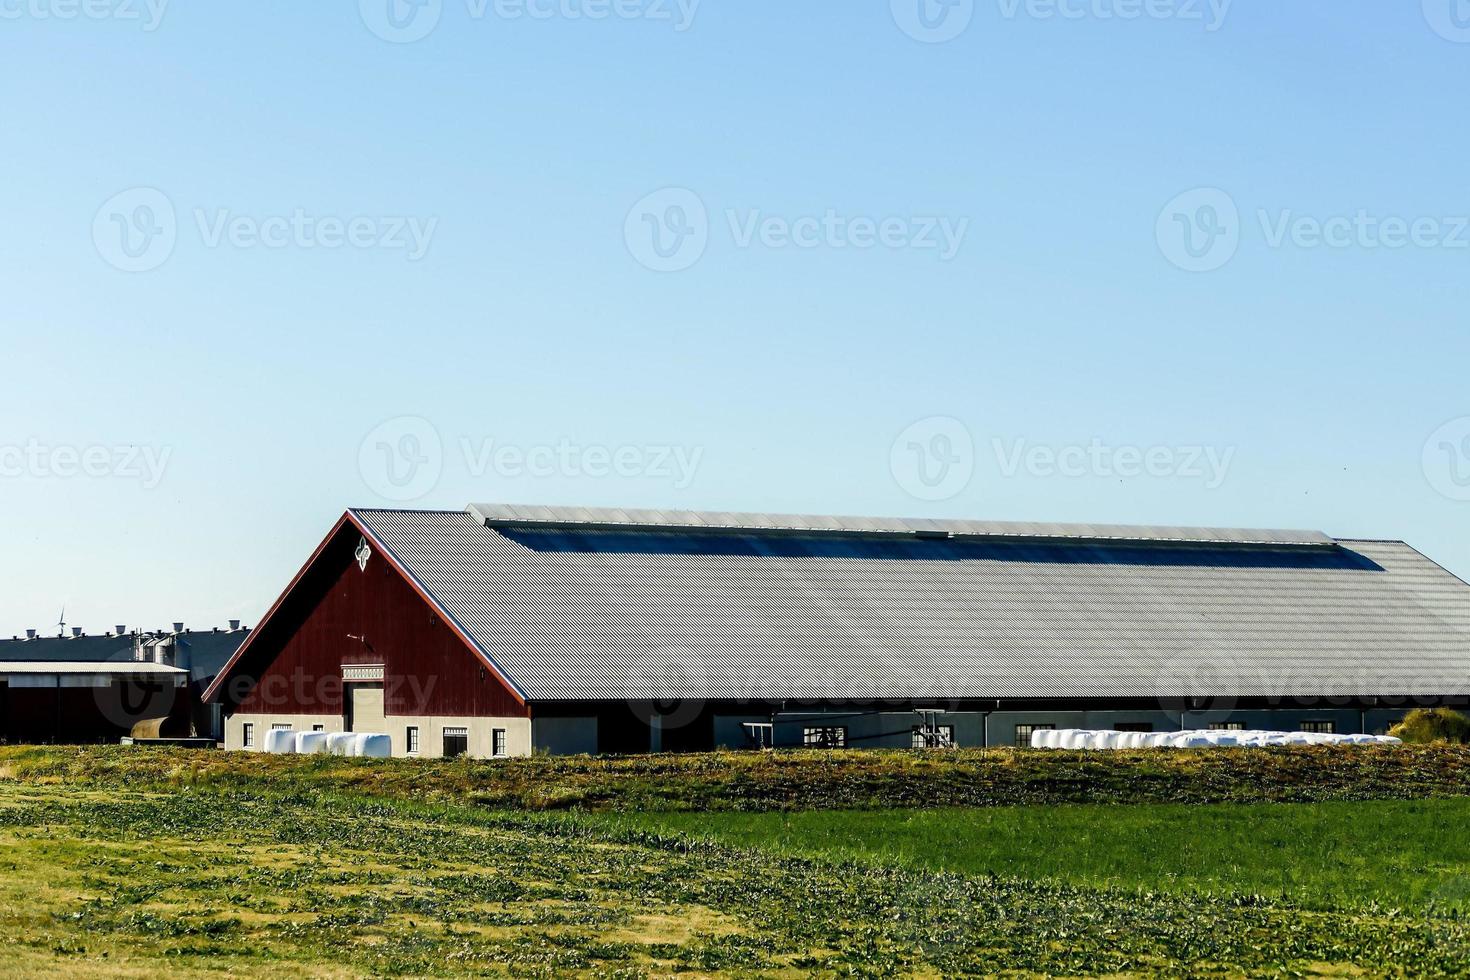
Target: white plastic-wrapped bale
{"x": 311, "y": 743}
{"x": 1134, "y": 740}
{"x": 1074, "y": 739}
{"x": 373, "y": 745}
{"x": 1154, "y": 740}
{"x": 1113, "y": 740}
{"x": 340, "y": 743}
{"x": 1043, "y": 738}
{"x": 1388, "y": 740}
{"x": 280, "y": 741}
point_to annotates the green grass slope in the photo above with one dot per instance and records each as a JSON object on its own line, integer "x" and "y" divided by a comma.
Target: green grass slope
{"x": 135, "y": 862}
{"x": 790, "y": 780}
{"x": 1410, "y": 854}
{"x": 213, "y": 883}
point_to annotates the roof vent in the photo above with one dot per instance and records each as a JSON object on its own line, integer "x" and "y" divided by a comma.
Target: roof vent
{"x": 76, "y": 631}
{"x": 121, "y": 629}
{"x": 234, "y": 625}
{"x": 178, "y": 627}
{"x": 30, "y": 634}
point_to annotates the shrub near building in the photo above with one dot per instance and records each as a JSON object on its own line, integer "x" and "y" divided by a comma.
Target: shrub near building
{"x": 1424, "y": 725}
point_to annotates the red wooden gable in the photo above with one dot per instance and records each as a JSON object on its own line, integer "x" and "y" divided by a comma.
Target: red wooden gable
{"x": 335, "y": 613}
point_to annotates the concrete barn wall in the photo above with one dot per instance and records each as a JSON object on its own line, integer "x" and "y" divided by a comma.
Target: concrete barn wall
{"x": 564, "y": 736}
{"x": 431, "y": 732}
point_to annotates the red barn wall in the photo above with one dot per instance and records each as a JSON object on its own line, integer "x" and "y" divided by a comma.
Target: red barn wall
{"x": 338, "y": 614}
{"x": 91, "y": 714}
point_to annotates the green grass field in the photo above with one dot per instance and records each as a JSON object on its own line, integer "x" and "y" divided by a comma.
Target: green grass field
{"x": 1411, "y": 854}
{"x": 119, "y": 862}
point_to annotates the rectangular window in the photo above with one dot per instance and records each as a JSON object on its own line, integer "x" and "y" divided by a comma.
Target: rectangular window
{"x": 1023, "y": 734}
{"x": 318, "y": 728}
{"x": 758, "y": 735}
{"x": 497, "y": 742}
{"x": 938, "y": 737}
{"x": 456, "y": 742}
{"x": 825, "y": 737}
{"x": 413, "y": 740}
{"x": 1133, "y": 726}
{"x": 1227, "y": 726}
{"x": 1324, "y": 727}
{"x": 280, "y": 727}
{"x": 248, "y": 735}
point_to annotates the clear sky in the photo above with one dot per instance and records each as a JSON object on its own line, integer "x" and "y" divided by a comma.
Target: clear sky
{"x": 1087, "y": 260}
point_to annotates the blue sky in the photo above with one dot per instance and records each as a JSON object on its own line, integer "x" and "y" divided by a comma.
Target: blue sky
{"x": 927, "y": 271}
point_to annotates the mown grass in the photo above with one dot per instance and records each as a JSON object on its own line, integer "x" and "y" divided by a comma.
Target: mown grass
{"x": 753, "y": 781}
{"x": 125, "y": 862}
{"x": 216, "y": 882}
{"x": 1409, "y": 854}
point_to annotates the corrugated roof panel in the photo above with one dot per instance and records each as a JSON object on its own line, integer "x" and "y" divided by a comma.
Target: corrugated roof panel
{"x": 584, "y": 609}
{"x": 516, "y": 515}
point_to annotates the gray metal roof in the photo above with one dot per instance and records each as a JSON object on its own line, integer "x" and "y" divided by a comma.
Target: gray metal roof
{"x": 523, "y": 515}
{"x": 203, "y": 652}
{"x": 68, "y": 648}
{"x": 118, "y": 668}
{"x": 578, "y": 605}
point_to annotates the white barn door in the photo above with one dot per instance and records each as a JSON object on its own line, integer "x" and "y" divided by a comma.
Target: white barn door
{"x": 365, "y": 708}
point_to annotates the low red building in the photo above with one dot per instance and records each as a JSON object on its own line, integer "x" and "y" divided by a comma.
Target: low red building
{"x": 82, "y": 687}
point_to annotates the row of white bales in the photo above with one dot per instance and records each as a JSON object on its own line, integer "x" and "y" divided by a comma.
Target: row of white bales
{"x": 1078, "y": 738}
{"x": 361, "y": 744}
{"x": 377, "y": 746}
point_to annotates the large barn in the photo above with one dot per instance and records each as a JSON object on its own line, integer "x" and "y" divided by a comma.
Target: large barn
{"x": 506, "y": 630}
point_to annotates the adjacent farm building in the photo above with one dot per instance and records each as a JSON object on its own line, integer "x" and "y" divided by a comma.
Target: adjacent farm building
{"x": 124, "y": 683}
{"x": 506, "y": 630}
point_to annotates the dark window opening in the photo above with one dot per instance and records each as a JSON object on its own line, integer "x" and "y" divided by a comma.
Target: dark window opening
{"x": 1023, "y": 734}
{"x": 824, "y": 737}
{"x": 938, "y": 737}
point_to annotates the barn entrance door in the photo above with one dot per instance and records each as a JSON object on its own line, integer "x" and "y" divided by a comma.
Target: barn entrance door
{"x": 364, "y": 708}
